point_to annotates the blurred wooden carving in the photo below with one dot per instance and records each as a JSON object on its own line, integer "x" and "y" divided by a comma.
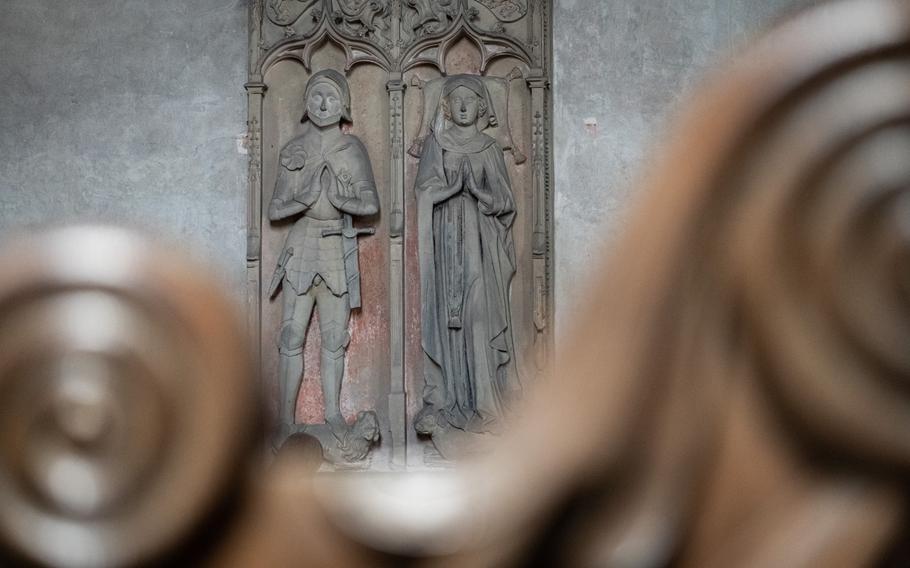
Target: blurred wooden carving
{"x": 128, "y": 417}
{"x": 737, "y": 397}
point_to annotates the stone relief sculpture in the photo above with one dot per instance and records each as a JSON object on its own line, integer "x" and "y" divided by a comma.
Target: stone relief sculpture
{"x": 325, "y": 178}
{"x": 385, "y": 48}
{"x": 467, "y": 261}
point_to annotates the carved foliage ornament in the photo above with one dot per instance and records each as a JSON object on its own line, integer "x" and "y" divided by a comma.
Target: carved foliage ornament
{"x": 286, "y": 12}
{"x": 507, "y": 10}
{"x": 427, "y": 17}
{"x": 363, "y": 18}
{"x": 395, "y": 34}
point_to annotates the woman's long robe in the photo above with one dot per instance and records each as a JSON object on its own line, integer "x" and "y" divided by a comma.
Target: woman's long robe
{"x": 467, "y": 261}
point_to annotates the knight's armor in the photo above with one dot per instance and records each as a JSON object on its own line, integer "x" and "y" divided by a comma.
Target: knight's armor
{"x": 316, "y": 255}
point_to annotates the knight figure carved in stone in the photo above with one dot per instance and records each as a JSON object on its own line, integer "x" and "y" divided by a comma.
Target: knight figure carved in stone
{"x": 467, "y": 261}
{"x": 324, "y": 179}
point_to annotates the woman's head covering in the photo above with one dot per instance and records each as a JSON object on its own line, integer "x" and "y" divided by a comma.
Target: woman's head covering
{"x": 475, "y": 84}
{"x": 333, "y": 78}
{"x": 472, "y": 82}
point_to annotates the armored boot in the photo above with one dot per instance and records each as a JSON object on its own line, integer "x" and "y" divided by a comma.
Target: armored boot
{"x": 290, "y": 374}
{"x": 332, "y": 374}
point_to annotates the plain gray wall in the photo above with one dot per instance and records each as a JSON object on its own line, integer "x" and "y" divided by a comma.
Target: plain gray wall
{"x": 133, "y": 112}
{"x": 626, "y": 65}
{"x": 128, "y": 112}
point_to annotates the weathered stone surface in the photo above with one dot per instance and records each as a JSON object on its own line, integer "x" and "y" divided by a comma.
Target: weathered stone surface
{"x": 129, "y": 112}
{"x": 638, "y": 60}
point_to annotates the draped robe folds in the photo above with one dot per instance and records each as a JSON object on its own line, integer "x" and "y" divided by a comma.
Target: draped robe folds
{"x": 467, "y": 261}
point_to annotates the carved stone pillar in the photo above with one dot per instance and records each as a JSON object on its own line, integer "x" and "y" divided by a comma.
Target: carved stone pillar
{"x": 255, "y": 91}
{"x": 397, "y": 395}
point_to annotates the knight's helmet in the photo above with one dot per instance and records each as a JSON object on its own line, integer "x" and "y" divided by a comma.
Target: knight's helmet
{"x": 340, "y": 82}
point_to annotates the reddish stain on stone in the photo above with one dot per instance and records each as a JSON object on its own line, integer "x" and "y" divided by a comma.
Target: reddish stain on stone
{"x": 366, "y": 360}
{"x": 310, "y": 403}
{"x": 414, "y": 382}
{"x": 463, "y": 57}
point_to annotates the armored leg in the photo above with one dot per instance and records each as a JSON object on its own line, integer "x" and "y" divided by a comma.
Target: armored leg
{"x": 334, "y": 313}
{"x": 296, "y": 318}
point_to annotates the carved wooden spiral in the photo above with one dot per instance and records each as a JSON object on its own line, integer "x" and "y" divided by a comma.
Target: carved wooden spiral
{"x": 125, "y": 400}
{"x": 813, "y": 224}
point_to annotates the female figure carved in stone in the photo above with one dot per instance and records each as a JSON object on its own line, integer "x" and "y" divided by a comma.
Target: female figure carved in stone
{"x": 467, "y": 261}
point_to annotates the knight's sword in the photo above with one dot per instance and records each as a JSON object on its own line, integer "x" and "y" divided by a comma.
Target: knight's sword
{"x": 349, "y": 234}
